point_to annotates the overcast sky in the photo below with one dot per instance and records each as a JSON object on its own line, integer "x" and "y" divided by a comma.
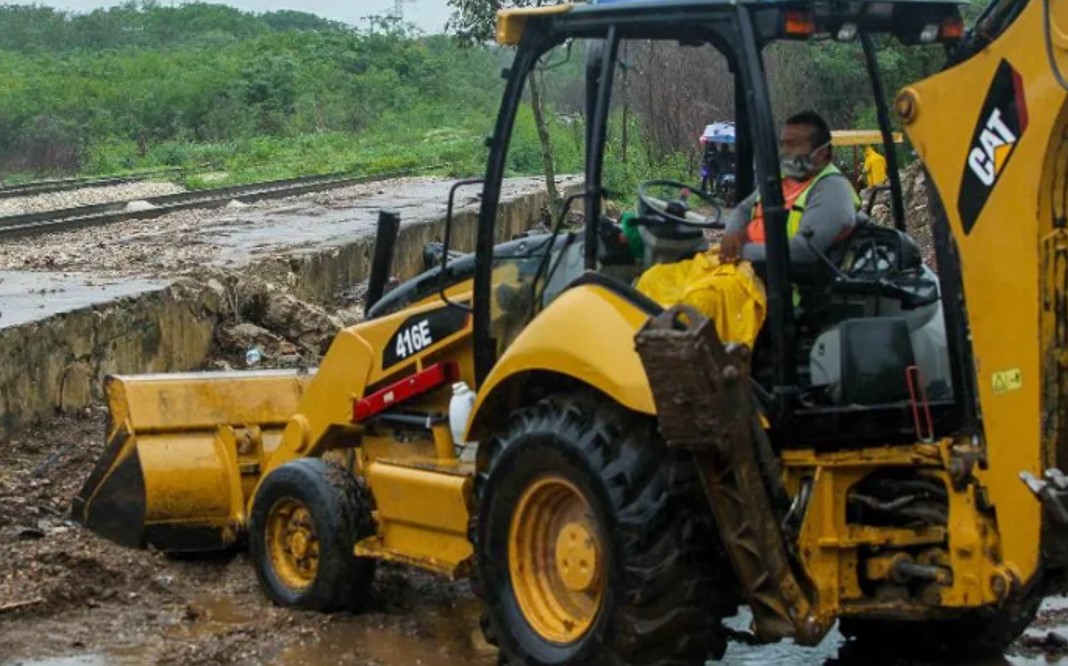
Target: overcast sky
{"x": 430, "y": 15}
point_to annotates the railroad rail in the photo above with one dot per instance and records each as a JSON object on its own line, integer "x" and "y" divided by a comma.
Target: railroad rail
{"x": 50, "y": 221}
{"x": 67, "y": 184}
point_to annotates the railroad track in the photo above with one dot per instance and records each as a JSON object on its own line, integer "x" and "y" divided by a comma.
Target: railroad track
{"x": 50, "y": 221}
{"x": 66, "y": 184}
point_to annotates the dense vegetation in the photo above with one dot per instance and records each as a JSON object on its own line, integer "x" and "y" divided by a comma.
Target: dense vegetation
{"x": 140, "y": 86}
{"x": 284, "y": 93}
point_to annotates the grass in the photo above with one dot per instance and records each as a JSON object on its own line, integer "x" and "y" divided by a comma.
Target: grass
{"x": 396, "y": 142}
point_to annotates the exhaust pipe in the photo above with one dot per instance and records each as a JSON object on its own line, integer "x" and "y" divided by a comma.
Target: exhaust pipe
{"x": 382, "y": 258}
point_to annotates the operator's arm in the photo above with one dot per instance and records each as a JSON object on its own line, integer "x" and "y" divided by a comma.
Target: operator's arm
{"x": 730, "y": 246}
{"x": 829, "y": 212}
{"x": 738, "y": 219}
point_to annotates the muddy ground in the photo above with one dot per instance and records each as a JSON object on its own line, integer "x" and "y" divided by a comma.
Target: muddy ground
{"x": 70, "y": 598}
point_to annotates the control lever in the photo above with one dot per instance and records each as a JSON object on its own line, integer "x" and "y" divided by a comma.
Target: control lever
{"x": 875, "y": 192}
{"x": 807, "y": 234}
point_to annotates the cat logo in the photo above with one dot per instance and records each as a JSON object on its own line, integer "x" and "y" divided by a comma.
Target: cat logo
{"x": 1002, "y": 123}
{"x": 995, "y": 143}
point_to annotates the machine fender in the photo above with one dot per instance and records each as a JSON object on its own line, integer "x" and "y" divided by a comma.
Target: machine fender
{"x": 587, "y": 335}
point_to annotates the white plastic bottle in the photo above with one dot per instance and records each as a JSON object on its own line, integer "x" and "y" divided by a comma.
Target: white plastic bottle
{"x": 460, "y": 405}
{"x": 253, "y": 356}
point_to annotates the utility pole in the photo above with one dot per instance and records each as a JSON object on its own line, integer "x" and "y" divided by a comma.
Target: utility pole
{"x": 372, "y": 20}
{"x": 398, "y": 8}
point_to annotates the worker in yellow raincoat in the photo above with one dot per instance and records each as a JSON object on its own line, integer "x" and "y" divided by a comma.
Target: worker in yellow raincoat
{"x": 874, "y": 168}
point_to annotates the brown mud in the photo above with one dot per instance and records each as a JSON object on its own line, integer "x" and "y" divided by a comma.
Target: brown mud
{"x": 69, "y": 597}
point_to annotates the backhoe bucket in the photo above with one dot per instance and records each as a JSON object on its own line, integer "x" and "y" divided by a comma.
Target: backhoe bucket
{"x": 183, "y": 454}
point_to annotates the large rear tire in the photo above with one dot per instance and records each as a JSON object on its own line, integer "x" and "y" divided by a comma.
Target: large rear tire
{"x": 594, "y": 542}
{"x": 307, "y": 516}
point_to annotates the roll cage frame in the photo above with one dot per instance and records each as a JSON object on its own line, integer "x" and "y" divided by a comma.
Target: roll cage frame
{"x": 739, "y": 30}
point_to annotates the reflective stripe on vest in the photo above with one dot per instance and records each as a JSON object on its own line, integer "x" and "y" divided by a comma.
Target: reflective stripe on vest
{"x": 795, "y": 196}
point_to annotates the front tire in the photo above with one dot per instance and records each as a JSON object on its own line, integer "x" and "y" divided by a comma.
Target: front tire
{"x": 594, "y": 542}
{"x": 307, "y": 516}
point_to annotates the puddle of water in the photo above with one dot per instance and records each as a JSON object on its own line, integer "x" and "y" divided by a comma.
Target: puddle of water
{"x": 442, "y": 634}
{"x": 1054, "y": 603}
{"x": 221, "y": 610}
{"x": 785, "y": 652}
{"x": 835, "y": 651}
{"x": 113, "y": 657}
{"x": 438, "y": 636}
{"x": 210, "y": 615}
{"x": 442, "y": 638}
{"x": 82, "y": 660}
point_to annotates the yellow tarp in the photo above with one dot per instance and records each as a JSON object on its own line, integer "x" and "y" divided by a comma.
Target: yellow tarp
{"x": 731, "y": 295}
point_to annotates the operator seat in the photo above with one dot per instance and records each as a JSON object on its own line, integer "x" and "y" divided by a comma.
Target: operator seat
{"x": 873, "y": 264}
{"x": 867, "y": 251}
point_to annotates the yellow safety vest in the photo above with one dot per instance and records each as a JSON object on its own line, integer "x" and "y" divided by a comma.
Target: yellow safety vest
{"x": 795, "y": 196}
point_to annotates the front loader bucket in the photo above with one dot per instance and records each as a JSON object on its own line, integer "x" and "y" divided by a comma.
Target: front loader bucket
{"x": 183, "y": 454}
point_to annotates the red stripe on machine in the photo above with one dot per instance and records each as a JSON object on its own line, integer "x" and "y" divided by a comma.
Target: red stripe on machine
{"x": 420, "y": 383}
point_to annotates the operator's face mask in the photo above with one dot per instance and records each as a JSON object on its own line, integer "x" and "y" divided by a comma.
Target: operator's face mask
{"x": 799, "y": 166}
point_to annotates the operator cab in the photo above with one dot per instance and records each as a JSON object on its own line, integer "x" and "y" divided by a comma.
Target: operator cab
{"x": 856, "y": 345}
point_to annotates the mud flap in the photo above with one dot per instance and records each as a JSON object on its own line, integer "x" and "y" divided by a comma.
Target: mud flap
{"x": 703, "y": 400}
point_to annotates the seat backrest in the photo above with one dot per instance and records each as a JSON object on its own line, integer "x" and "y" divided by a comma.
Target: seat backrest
{"x": 872, "y": 251}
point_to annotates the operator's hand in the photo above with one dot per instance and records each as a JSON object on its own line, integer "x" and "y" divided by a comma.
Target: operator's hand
{"x": 730, "y": 248}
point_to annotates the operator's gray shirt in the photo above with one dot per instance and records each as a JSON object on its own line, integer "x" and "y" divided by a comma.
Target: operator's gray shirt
{"x": 828, "y": 212}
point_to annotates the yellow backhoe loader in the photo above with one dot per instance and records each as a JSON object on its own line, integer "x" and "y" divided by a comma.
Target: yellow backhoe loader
{"x": 886, "y": 454}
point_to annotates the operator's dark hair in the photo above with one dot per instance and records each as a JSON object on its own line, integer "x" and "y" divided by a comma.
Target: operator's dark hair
{"x": 821, "y": 131}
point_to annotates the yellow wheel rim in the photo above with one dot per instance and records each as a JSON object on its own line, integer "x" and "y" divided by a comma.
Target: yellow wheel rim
{"x": 556, "y": 560}
{"x": 292, "y": 543}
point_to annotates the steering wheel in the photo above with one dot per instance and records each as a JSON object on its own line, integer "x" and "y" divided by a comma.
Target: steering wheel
{"x": 673, "y": 213}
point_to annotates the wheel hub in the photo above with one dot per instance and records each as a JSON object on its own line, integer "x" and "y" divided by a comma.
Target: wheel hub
{"x": 555, "y": 559}
{"x": 576, "y": 557}
{"x": 298, "y": 544}
{"x": 292, "y": 543}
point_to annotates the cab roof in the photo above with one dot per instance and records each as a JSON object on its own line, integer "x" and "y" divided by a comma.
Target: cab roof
{"x": 912, "y": 21}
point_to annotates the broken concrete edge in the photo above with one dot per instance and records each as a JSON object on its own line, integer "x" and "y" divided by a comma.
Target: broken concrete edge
{"x": 58, "y": 364}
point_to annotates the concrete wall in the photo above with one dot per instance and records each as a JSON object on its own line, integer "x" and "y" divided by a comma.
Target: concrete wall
{"x": 59, "y": 363}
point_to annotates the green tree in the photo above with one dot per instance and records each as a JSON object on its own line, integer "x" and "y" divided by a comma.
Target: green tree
{"x": 288, "y": 19}
{"x": 116, "y": 91}
{"x": 474, "y": 22}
